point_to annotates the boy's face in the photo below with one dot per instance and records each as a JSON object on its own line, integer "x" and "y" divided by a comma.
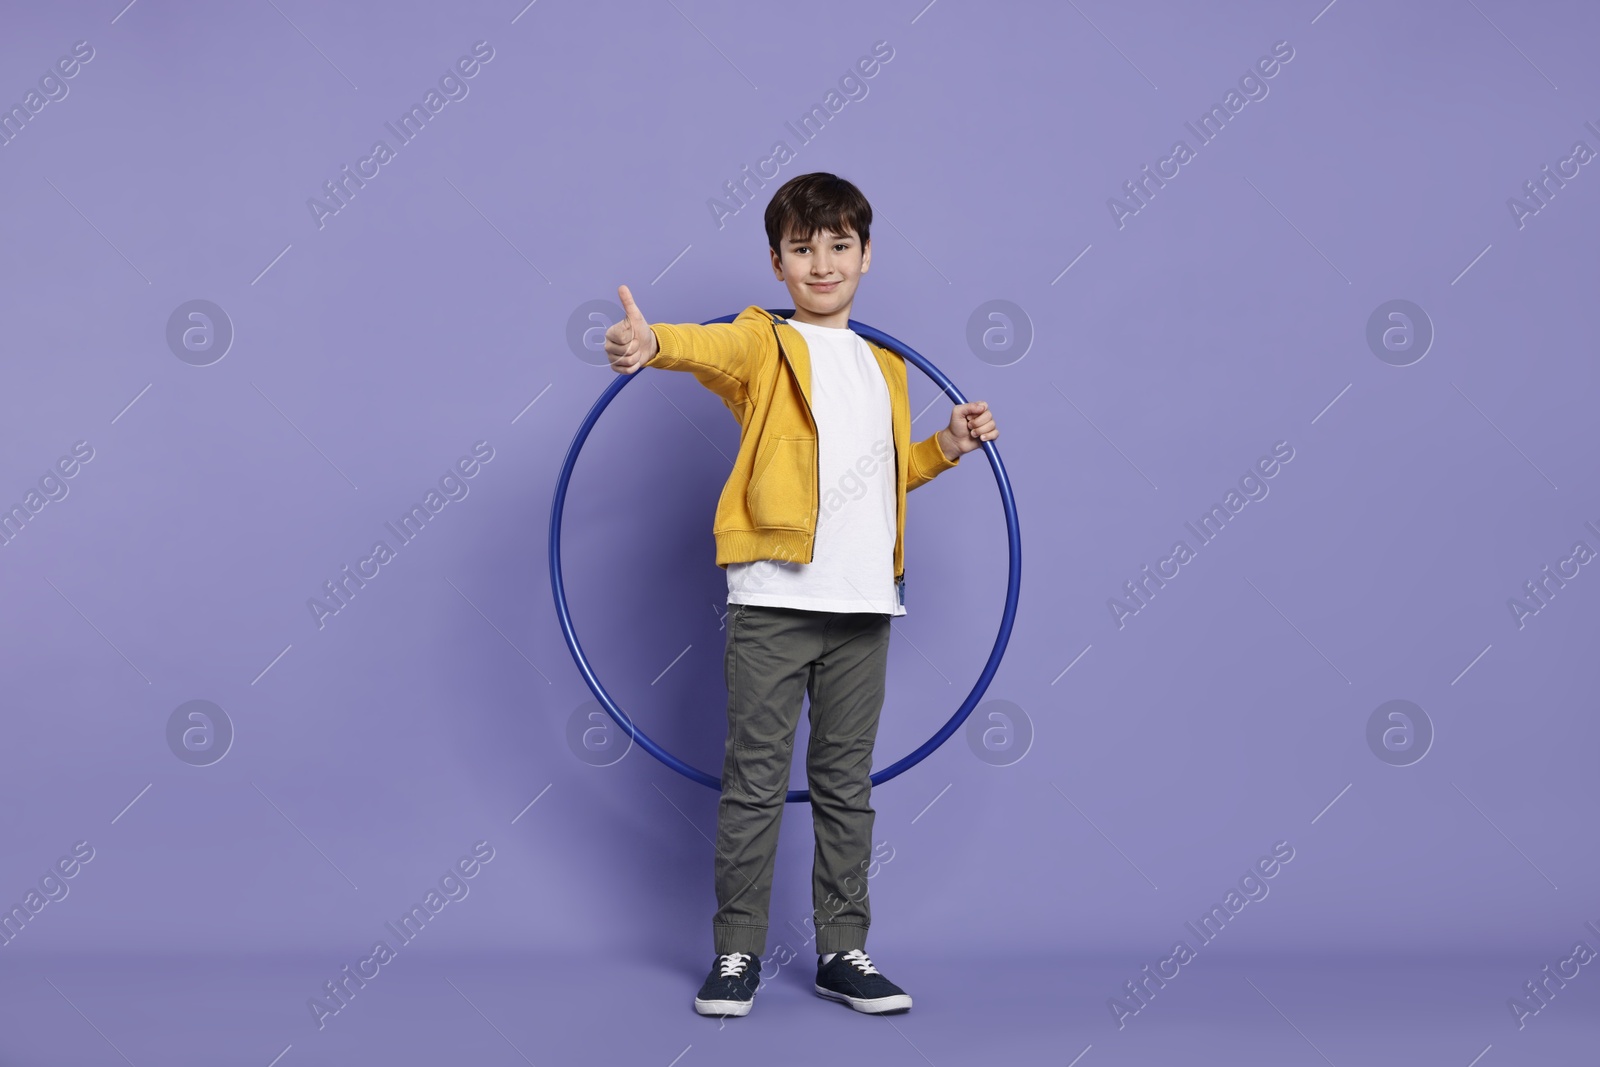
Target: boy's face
{"x": 822, "y": 272}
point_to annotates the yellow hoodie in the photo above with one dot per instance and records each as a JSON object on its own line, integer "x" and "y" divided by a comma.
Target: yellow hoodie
{"x": 759, "y": 366}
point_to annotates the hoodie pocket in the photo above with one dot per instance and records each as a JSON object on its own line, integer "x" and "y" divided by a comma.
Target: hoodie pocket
{"x": 780, "y": 489}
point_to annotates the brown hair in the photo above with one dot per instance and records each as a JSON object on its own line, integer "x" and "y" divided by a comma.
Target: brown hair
{"x": 807, "y": 204}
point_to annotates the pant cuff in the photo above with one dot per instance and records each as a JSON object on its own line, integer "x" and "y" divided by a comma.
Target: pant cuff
{"x": 840, "y": 937}
{"x": 739, "y": 937}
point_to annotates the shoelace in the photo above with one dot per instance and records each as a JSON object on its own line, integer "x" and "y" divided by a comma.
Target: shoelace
{"x": 733, "y": 964}
{"x": 861, "y": 962}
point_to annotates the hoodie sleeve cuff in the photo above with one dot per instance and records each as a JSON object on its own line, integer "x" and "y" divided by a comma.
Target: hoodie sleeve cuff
{"x": 929, "y": 460}
{"x": 666, "y": 338}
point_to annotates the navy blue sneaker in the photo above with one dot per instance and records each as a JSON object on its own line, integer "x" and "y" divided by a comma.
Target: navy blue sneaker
{"x": 850, "y": 978}
{"x": 731, "y": 986}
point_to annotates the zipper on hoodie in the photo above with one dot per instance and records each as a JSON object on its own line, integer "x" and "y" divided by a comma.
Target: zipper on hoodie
{"x": 817, "y": 464}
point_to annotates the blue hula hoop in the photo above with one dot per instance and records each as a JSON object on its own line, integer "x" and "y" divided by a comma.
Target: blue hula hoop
{"x": 1002, "y": 638}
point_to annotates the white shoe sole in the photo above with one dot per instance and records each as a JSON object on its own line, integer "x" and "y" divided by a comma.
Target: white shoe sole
{"x": 722, "y": 1007}
{"x": 871, "y": 1007}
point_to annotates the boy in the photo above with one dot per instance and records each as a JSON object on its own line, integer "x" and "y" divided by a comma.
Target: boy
{"x": 810, "y": 529}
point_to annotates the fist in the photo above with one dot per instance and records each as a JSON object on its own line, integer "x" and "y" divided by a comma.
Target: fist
{"x": 630, "y": 343}
{"x": 971, "y": 424}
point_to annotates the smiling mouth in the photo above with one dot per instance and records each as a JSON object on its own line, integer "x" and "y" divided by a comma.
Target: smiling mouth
{"x": 824, "y": 286}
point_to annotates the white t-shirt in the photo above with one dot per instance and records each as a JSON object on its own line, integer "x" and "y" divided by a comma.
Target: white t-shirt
{"x": 853, "y": 564}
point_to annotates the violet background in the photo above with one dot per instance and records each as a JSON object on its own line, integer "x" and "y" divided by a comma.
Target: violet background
{"x": 430, "y": 313}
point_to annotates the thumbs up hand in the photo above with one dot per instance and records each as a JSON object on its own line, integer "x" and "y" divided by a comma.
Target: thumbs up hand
{"x": 630, "y": 343}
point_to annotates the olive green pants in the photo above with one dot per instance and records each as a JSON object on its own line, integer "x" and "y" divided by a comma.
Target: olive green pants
{"x": 774, "y": 656}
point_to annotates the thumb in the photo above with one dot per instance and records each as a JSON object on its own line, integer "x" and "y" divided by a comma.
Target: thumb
{"x": 629, "y": 308}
